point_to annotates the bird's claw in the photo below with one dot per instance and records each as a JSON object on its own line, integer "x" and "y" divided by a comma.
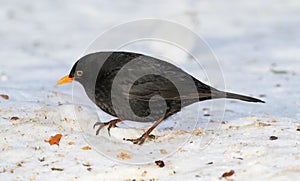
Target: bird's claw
{"x": 141, "y": 139}
{"x": 101, "y": 125}
{"x": 110, "y": 124}
{"x": 137, "y": 141}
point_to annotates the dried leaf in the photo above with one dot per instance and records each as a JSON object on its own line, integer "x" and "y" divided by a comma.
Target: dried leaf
{"x": 54, "y": 140}
{"x": 4, "y": 96}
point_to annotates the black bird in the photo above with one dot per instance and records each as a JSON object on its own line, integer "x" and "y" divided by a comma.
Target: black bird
{"x": 137, "y": 87}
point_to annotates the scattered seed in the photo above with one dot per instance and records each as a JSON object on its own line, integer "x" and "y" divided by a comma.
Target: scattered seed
{"x": 229, "y": 110}
{"x": 263, "y": 124}
{"x": 124, "y": 155}
{"x": 228, "y": 174}
{"x": 86, "y": 148}
{"x": 278, "y": 71}
{"x": 151, "y": 136}
{"x": 160, "y": 163}
{"x": 19, "y": 164}
{"x": 278, "y": 85}
{"x": 71, "y": 143}
{"x": 163, "y": 151}
{"x": 41, "y": 159}
{"x": 181, "y": 150}
{"x": 60, "y": 155}
{"x": 197, "y": 132}
{"x": 86, "y": 164}
{"x": 180, "y": 132}
{"x": 144, "y": 173}
{"x": 238, "y": 158}
{"x": 273, "y": 137}
{"x": 14, "y": 118}
{"x": 57, "y": 169}
{"x": 274, "y": 121}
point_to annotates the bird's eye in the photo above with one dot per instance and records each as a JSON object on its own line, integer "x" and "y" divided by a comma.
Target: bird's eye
{"x": 79, "y": 73}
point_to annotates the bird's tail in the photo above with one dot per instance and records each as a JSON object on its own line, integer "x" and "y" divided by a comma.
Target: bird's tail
{"x": 235, "y": 96}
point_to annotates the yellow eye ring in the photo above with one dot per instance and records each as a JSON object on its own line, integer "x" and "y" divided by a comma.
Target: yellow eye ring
{"x": 79, "y": 73}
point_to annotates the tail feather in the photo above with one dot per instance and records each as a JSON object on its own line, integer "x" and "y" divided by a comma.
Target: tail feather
{"x": 236, "y": 96}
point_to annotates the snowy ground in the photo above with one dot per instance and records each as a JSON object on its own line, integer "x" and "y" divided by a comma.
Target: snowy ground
{"x": 256, "y": 42}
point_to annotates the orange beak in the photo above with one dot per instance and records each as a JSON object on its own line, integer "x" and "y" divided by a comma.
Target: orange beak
{"x": 65, "y": 79}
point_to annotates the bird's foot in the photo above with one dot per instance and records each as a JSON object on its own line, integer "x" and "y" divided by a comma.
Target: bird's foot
{"x": 110, "y": 124}
{"x": 140, "y": 140}
{"x": 137, "y": 141}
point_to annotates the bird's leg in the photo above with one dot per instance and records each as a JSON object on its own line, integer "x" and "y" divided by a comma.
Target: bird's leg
{"x": 141, "y": 139}
{"x": 110, "y": 124}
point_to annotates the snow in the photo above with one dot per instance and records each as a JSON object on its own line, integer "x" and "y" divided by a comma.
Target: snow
{"x": 257, "y": 46}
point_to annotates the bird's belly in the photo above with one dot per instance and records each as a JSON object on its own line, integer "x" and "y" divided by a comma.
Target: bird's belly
{"x": 143, "y": 102}
{"x": 143, "y": 111}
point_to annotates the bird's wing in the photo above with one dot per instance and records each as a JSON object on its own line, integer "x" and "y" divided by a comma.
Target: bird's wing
{"x": 160, "y": 78}
{"x": 149, "y": 86}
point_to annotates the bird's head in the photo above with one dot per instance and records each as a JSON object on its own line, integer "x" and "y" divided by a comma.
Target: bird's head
{"x": 69, "y": 78}
{"x": 85, "y": 70}
{"x": 76, "y": 73}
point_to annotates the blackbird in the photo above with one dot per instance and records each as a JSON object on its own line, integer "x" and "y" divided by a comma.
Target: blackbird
{"x": 137, "y": 87}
